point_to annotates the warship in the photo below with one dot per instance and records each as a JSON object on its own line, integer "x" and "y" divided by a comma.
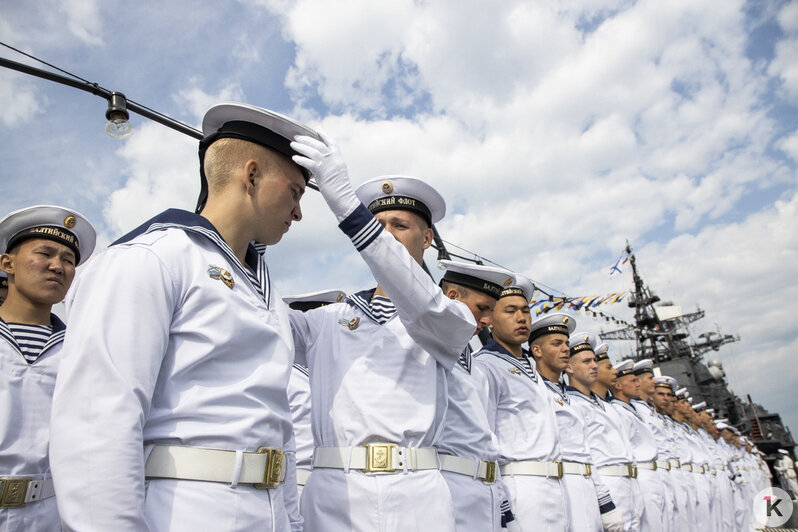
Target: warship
{"x": 661, "y": 333}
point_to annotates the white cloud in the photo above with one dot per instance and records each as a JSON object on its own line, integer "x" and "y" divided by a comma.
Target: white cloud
{"x": 783, "y": 65}
{"x": 19, "y": 99}
{"x": 84, "y": 20}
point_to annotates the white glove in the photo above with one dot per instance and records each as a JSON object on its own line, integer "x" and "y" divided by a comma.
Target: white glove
{"x": 325, "y": 164}
{"x": 612, "y": 521}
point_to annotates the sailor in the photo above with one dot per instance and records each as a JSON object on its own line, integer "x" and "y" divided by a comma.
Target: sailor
{"x": 657, "y": 424}
{"x": 3, "y": 286}
{"x": 643, "y": 442}
{"x": 299, "y": 399}
{"x": 590, "y": 505}
{"x": 520, "y": 414}
{"x": 379, "y": 362}
{"x": 786, "y": 469}
{"x": 609, "y": 449}
{"x": 468, "y": 450}
{"x": 41, "y": 247}
{"x": 179, "y": 352}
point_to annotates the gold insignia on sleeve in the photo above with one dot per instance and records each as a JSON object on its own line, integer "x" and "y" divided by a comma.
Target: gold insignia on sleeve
{"x": 351, "y": 324}
{"x": 559, "y": 401}
{"x": 70, "y": 221}
{"x": 387, "y": 187}
{"x": 515, "y": 371}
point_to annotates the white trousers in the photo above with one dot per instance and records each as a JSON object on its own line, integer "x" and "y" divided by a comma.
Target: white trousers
{"x": 186, "y": 505}
{"x": 583, "y": 508}
{"x": 652, "y": 493}
{"x": 336, "y": 501}
{"x": 626, "y": 496}
{"x": 476, "y": 504}
{"x": 539, "y": 503}
{"x": 670, "y": 519}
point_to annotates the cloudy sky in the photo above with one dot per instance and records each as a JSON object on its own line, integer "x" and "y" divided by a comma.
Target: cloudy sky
{"x": 555, "y": 130}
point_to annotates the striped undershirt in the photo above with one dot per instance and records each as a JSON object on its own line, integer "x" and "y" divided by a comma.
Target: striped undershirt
{"x": 30, "y": 338}
{"x": 382, "y": 309}
{"x": 527, "y": 365}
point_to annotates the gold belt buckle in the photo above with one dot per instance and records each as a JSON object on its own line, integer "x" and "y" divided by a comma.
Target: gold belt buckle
{"x": 273, "y": 470}
{"x": 378, "y": 458}
{"x": 632, "y": 471}
{"x": 490, "y": 473}
{"x": 588, "y": 470}
{"x": 655, "y": 465}
{"x": 669, "y": 465}
{"x": 14, "y": 491}
{"x": 559, "y": 469}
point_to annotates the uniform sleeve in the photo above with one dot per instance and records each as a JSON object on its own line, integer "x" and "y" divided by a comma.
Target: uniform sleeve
{"x": 302, "y": 334}
{"x": 438, "y": 324}
{"x": 290, "y": 491}
{"x": 493, "y": 392}
{"x": 119, "y": 314}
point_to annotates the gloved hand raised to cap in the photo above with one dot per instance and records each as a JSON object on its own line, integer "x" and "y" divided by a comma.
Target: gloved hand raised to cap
{"x": 327, "y": 167}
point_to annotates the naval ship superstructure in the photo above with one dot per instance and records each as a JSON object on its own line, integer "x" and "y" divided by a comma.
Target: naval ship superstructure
{"x": 661, "y": 333}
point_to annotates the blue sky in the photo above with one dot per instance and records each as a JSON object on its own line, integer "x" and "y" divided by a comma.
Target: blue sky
{"x": 555, "y": 131}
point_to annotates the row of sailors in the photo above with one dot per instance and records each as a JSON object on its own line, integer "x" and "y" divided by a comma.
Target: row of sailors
{"x": 620, "y": 437}
{"x": 168, "y": 395}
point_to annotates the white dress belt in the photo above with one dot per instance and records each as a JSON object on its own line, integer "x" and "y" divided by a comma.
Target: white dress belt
{"x": 648, "y": 465}
{"x": 622, "y": 470}
{"x": 663, "y": 464}
{"x": 577, "y": 468}
{"x": 533, "y": 468}
{"x": 376, "y": 458}
{"x": 302, "y": 475}
{"x": 676, "y": 464}
{"x": 264, "y": 468}
{"x": 477, "y": 469}
{"x": 19, "y": 491}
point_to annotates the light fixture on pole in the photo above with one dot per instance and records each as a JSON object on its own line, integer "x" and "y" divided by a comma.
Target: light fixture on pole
{"x": 118, "y": 126}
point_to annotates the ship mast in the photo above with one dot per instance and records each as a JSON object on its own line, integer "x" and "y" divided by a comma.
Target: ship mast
{"x": 661, "y": 337}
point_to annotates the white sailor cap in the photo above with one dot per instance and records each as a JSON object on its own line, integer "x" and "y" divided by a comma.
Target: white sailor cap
{"x": 486, "y": 279}
{"x": 720, "y": 425}
{"x": 664, "y": 381}
{"x": 784, "y": 451}
{"x": 522, "y": 286}
{"x": 689, "y": 398}
{"x": 724, "y": 420}
{"x": 681, "y": 393}
{"x": 643, "y": 366}
{"x": 254, "y": 124}
{"x": 734, "y": 430}
{"x": 313, "y": 300}
{"x": 399, "y": 192}
{"x": 554, "y": 323}
{"x": 711, "y": 411}
{"x": 50, "y": 222}
{"x": 625, "y": 367}
{"x": 602, "y": 351}
{"x": 582, "y": 341}
{"x": 700, "y": 406}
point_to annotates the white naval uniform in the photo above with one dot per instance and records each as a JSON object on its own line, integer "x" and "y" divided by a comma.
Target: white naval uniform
{"x": 161, "y": 351}
{"x": 27, "y": 392}
{"x": 703, "y": 499}
{"x": 374, "y": 382}
{"x": 609, "y": 447}
{"x": 521, "y": 416}
{"x": 587, "y": 496}
{"x": 658, "y": 425}
{"x": 644, "y": 450}
{"x": 786, "y": 468}
{"x": 467, "y": 434}
{"x": 299, "y": 401}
